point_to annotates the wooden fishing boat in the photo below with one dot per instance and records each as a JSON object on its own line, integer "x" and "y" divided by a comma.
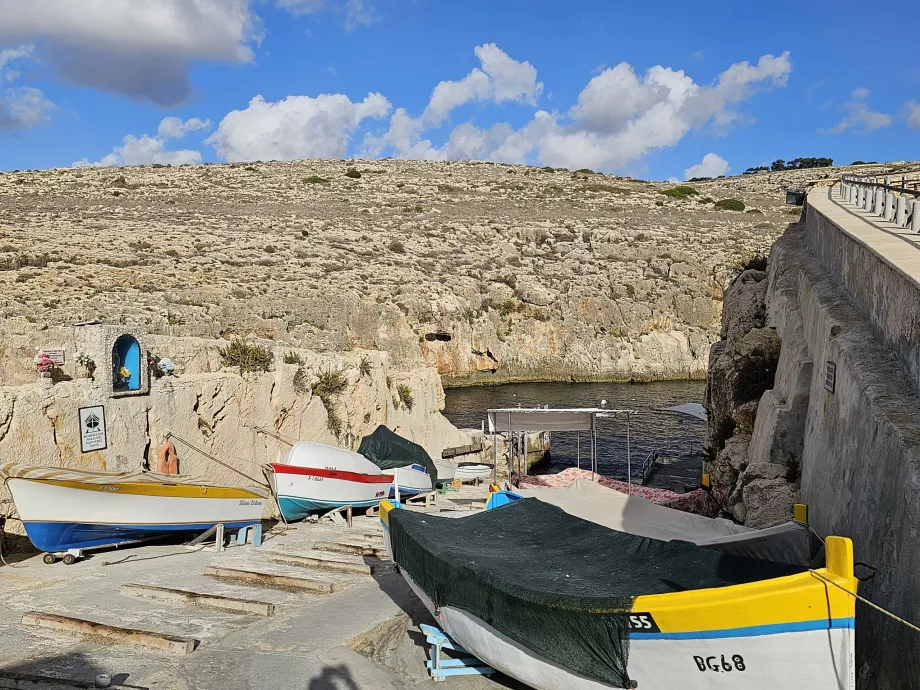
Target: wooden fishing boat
{"x": 415, "y": 472}
{"x": 315, "y": 477}
{"x": 559, "y": 602}
{"x": 471, "y": 471}
{"x": 67, "y": 509}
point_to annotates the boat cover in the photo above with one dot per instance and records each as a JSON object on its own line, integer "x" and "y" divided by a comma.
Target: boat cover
{"x": 554, "y": 583}
{"x": 12, "y": 470}
{"x": 388, "y": 450}
{"x": 786, "y": 543}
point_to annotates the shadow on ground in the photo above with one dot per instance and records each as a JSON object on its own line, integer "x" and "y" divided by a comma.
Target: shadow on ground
{"x": 72, "y": 669}
{"x": 334, "y": 678}
{"x": 398, "y": 643}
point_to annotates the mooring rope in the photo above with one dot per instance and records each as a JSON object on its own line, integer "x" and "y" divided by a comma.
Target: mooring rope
{"x": 865, "y": 601}
{"x": 275, "y": 435}
{"x": 211, "y": 457}
{"x": 267, "y": 483}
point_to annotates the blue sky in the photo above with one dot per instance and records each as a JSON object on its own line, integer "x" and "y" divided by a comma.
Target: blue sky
{"x": 655, "y": 90}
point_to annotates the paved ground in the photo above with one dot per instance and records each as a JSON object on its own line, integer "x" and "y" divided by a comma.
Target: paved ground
{"x": 896, "y": 245}
{"x": 303, "y": 646}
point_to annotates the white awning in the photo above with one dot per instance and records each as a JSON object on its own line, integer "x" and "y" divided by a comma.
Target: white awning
{"x": 545, "y": 419}
{"x": 692, "y": 409}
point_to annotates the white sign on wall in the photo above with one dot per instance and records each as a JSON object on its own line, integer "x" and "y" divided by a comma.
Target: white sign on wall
{"x": 56, "y": 355}
{"x": 92, "y": 429}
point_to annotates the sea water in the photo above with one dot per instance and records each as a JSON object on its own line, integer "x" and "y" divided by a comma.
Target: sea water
{"x": 677, "y": 437}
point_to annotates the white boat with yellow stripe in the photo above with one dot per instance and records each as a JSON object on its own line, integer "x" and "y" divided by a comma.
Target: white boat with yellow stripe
{"x": 556, "y": 601}
{"x": 67, "y": 509}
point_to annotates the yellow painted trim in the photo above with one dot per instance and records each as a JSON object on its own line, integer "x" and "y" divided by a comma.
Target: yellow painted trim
{"x": 164, "y": 490}
{"x": 800, "y": 513}
{"x": 385, "y": 508}
{"x": 705, "y": 482}
{"x": 792, "y": 599}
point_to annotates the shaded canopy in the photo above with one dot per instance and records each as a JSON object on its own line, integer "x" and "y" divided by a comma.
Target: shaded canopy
{"x": 388, "y": 450}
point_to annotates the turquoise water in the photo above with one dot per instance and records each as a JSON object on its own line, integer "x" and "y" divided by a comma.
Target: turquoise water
{"x": 680, "y": 436}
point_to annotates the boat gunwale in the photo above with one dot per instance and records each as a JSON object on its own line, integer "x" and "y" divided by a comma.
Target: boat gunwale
{"x": 116, "y": 488}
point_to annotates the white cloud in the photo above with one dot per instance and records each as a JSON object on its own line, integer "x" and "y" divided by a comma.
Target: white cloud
{"x": 7, "y": 56}
{"x": 499, "y": 79}
{"x": 145, "y": 149}
{"x": 357, "y": 12}
{"x": 24, "y": 108}
{"x": 619, "y": 116}
{"x": 139, "y": 48}
{"x": 860, "y": 117}
{"x": 711, "y": 166}
{"x": 912, "y": 109}
{"x": 295, "y": 127}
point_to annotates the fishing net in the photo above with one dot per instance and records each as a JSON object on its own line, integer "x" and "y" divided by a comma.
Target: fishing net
{"x": 554, "y": 583}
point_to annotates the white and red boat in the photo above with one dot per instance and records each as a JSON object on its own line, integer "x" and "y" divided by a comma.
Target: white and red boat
{"x": 314, "y": 477}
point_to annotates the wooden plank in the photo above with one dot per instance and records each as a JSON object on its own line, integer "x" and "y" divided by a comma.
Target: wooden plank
{"x": 24, "y": 681}
{"x": 351, "y": 548}
{"x": 171, "y": 644}
{"x": 461, "y": 450}
{"x": 323, "y": 562}
{"x": 208, "y": 601}
{"x": 272, "y": 579}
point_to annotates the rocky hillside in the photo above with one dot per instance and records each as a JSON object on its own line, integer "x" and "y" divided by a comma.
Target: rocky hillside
{"x": 489, "y": 272}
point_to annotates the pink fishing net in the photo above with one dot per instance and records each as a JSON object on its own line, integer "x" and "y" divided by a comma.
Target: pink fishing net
{"x": 697, "y": 502}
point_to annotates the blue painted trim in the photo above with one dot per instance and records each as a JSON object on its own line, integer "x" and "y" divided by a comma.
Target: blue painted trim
{"x": 752, "y": 631}
{"x": 60, "y": 536}
{"x": 501, "y": 498}
{"x": 407, "y": 492}
{"x": 293, "y": 507}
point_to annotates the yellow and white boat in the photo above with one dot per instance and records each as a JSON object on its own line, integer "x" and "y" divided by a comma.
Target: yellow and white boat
{"x": 559, "y": 602}
{"x": 66, "y": 509}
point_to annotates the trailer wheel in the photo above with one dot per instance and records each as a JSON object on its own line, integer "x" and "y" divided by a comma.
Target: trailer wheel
{"x": 49, "y": 559}
{"x": 69, "y": 559}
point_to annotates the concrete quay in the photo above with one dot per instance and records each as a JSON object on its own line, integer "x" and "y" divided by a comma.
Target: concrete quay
{"x": 243, "y": 633}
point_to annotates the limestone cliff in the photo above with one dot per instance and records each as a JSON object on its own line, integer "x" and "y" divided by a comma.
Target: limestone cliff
{"x": 212, "y": 407}
{"x": 487, "y": 272}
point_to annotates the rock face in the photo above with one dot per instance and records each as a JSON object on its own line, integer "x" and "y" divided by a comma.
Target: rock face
{"x": 236, "y": 418}
{"x": 752, "y": 490}
{"x": 487, "y": 272}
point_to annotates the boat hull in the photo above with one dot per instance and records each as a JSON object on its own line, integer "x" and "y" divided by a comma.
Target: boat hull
{"x": 306, "y": 490}
{"x": 474, "y": 471}
{"x": 412, "y": 480}
{"x": 62, "y": 515}
{"x": 803, "y": 659}
{"x": 763, "y": 643}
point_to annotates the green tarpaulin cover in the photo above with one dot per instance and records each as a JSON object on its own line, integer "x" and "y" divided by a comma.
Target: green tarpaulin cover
{"x": 554, "y": 583}
{"x": 388, "y": 450}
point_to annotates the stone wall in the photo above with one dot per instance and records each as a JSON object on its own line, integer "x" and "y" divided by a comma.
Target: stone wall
{"x": 852, "y": 454}
{"x": 216, "y": 410}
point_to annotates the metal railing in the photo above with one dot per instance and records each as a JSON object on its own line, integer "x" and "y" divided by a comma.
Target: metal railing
{"x": 895, "y": 203}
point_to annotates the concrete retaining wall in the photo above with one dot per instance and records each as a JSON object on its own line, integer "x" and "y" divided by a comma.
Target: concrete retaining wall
{"x": 886, "y": 297}
{"x": 832, "y": 299}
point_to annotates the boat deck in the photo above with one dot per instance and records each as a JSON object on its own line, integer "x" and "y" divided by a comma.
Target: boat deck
{"x": 319, "y": 616}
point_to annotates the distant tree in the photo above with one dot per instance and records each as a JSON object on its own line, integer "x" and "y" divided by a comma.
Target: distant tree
{"x": 801, "y": 164}
{"x": 759, "y": 168}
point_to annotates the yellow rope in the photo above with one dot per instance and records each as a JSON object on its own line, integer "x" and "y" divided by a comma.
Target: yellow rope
{"x": 865, "y": 601}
